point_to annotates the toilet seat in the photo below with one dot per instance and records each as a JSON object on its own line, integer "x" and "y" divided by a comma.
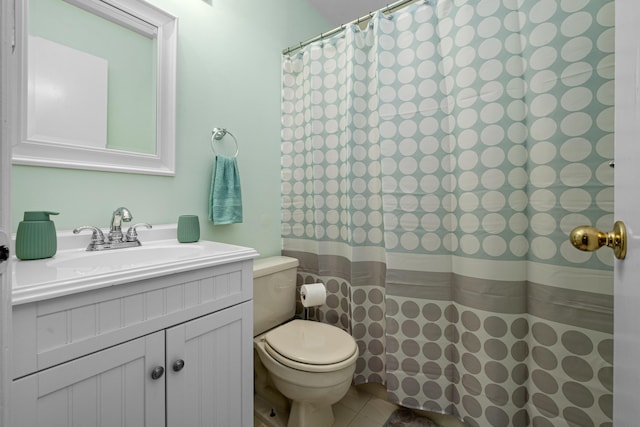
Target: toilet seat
{"x": 311, "y": 346}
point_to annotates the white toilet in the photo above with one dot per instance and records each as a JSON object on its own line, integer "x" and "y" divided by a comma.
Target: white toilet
{"x": 311, "y": 363}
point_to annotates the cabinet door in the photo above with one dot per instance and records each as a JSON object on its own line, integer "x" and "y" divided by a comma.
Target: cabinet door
{"x": 110, "y": 388}
{"x": 215, "y": 386}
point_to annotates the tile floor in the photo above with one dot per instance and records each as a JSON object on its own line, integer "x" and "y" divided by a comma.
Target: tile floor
{"x": 363, "y": 406}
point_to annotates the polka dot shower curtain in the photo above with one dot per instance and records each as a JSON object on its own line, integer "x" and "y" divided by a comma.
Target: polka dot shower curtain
{"x": 432, "y": 167}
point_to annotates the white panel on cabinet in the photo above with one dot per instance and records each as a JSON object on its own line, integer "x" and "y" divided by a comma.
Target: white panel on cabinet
{"x": 210, "y": 370}
{"x": 109, "y": 388}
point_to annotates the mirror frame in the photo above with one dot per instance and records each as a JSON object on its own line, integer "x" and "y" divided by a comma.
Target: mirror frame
{"x": 151, "y": 22}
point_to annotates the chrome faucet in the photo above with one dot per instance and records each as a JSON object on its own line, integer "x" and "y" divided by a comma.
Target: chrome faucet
{"x": 119, "y": 216}
{"x": 115, "y": 239}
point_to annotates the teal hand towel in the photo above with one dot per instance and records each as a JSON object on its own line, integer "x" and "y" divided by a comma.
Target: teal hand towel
{"x": 225, "y": 201}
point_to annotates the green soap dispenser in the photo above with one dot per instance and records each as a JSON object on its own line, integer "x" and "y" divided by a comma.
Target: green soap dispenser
{"x": 36, "y": 236}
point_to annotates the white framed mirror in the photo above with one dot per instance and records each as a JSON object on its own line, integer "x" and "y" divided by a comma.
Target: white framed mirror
{"x": 97, "y": 85}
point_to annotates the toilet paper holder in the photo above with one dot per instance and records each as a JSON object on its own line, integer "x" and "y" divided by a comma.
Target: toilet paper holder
{"x": 312, "y": 295}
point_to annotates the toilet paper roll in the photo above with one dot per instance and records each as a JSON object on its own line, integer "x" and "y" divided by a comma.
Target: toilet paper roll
{"x": 313, "y": 294}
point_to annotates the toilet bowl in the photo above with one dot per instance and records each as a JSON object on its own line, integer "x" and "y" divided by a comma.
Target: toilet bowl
{"x": 310, "y": 363}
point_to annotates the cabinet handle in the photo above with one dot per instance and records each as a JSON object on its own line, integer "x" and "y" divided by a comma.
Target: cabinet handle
{"x": 157, "y": 372}
{"x": 178, "y": 365}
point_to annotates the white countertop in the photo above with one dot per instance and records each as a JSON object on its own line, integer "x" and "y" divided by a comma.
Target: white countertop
{"x": 73, "y": 269}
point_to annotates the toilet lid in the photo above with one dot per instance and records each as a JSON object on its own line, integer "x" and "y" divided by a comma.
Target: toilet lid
{"x": 312, "y": 343}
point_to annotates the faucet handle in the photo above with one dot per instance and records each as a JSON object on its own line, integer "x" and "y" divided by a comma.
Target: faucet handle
{"x": 132, "y": 234}
{"x": 97, "y": 237}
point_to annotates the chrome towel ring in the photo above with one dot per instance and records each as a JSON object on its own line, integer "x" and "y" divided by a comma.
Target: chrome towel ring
{"x": 217, "y": 134}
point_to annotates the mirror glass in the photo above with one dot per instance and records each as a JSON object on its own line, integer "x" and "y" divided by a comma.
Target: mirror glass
{"x": 98, "y": 86}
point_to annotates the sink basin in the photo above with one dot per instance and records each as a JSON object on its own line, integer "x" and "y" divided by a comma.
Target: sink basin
{"x": 125, "y": 258}
{"x": 75, "y": 270}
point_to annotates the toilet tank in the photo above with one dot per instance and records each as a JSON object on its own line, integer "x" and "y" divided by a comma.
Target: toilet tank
{"x": 274, "y": 292}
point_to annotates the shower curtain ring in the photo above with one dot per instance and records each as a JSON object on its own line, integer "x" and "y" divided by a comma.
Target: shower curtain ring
{"x": 388, "y": 12}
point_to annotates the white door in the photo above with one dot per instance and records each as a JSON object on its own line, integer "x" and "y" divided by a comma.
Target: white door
{"x": 5, "y": 321}
{"x": 210, "y": 370}
{"x": 113, "y": 387}
{"x": 627, "y": 208}
{"x": 6, "y": 91}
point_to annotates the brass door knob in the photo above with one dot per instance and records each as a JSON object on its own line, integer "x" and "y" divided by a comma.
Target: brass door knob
{"x": 587, "y": 238}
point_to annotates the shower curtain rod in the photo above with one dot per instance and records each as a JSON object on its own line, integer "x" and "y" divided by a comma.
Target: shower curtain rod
{"x": 388, "y": 9}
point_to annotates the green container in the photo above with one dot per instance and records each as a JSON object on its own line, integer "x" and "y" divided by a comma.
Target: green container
{"x": 188, "y": 228}
{"x": 36, "y": 236}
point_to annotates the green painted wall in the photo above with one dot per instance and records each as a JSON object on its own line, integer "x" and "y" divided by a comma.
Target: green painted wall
{"x": 228, "y": 76}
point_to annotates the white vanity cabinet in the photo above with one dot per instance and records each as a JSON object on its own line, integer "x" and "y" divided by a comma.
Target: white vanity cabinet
{"x": 171, "y": 351}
